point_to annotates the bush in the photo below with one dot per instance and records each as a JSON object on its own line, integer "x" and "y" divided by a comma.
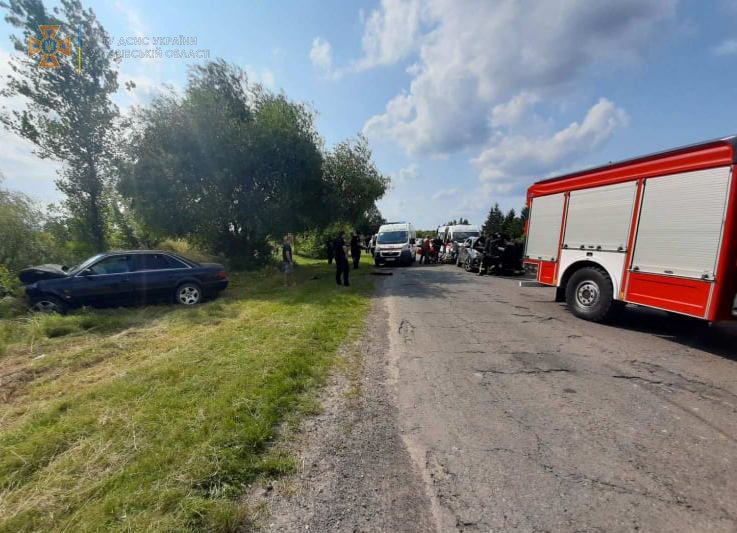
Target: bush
{"x": 8, "y": 282}
{"x": 185, "y": 249}
{"x": 11, "y": 307}
{"x": 312, "y": 243}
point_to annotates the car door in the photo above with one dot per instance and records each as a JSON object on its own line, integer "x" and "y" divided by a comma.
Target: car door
{"x": 106, "y": 282}
{"x": 155, "y": 276}
{"x": 464, "y": 250}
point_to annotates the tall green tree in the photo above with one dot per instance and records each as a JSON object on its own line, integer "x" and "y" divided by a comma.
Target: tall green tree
{"x": 494, "y": 221}
{"x": 354, "y": 183}
{"x": 509, "y": 224}
{"x": 370, "y": 221}
{"x": 21, "y": 224}
{"x": 227, "y": 165}
{"x": 68, "y": 115}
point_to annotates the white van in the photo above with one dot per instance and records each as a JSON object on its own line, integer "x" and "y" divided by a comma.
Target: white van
{"x": 456, "y": 235}
{"x": 395, "y": 244}
{"x": 461, "y": 232}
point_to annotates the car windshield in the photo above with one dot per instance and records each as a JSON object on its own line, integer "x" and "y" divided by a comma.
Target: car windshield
{"x": 459, "y": 236}
{"x": 84, "y": 264}
{"x": 392, "y": 237}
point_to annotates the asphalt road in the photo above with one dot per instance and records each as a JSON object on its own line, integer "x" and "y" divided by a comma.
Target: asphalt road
{"x": 519, "y": 416}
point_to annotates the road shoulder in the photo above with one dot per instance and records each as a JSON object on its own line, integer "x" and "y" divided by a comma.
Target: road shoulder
{"x": 354, "y": 472}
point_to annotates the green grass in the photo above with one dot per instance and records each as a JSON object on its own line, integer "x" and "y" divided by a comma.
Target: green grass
{"x": 158, "y": 418}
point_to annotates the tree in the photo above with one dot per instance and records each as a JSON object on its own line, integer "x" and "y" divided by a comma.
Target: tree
{"x": 370, "y": 221}
{"x": 494, "y": 221}
{"x": 353, "y": 182}
{"x": 509, "y": 224}
{"x": 69, "y": 116}
{"x": 23, "y": 241}
{"x": 227, "y": 165}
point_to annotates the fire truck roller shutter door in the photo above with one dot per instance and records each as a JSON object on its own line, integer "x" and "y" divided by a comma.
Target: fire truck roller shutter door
{"x": 681, "y": 223}
{"x": 599, "y": 218}
{"x": 546, "y": 217}
{"x": 597, "y": 230}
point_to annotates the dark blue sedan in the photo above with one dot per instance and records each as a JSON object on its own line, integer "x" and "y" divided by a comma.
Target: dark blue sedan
{"x": 122, "y": 278}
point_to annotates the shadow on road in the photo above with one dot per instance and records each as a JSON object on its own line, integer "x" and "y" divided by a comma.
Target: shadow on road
{"x": 719, "y": 339}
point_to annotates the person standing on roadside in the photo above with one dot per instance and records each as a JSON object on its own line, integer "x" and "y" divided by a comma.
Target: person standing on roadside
{"x": 437, "y": 244}
{"x": 340, "y": 251}
{"x": 288, "y": 260}
{"x": 355, "y": 250}
{"x": 330, "y": 249}
{"x": 425, "y": 249}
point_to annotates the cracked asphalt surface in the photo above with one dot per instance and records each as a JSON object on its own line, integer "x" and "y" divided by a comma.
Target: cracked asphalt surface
{"x": 519, "y": 416}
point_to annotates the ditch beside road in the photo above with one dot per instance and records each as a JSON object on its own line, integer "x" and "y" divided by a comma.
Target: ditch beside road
{"x": 485, "y": 406}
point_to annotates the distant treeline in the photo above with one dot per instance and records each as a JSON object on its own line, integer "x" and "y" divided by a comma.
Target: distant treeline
{"x": 510, "y": 223}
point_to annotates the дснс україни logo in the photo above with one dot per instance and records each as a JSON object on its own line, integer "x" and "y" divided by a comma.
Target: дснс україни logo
{"x": 49, "y": 46}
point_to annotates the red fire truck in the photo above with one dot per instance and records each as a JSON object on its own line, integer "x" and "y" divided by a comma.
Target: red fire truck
{"x": 657, "y": 230}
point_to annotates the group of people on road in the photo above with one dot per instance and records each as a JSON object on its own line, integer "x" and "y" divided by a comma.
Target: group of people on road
{"x": 498, "y": 253}
{"x": 430, "y": 250}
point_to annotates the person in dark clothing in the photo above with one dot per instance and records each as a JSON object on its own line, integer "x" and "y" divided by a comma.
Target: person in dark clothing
{"x": 341, "y": 260}
{"x": 437, "y": 244}
{"x": 492, "y": 250}
{"x": 287, "y": 260}
{"x": 330, "y": 249}
{"x": 425, "y": 250}
{"x": 355, "y": 250}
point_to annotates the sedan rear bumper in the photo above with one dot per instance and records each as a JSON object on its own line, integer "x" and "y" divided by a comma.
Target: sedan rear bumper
{"x": 216, "y": 287}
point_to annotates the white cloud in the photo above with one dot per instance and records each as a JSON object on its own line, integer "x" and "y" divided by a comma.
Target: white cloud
{"x": 321, "y": 55}
{"x": 445, "y": 193}
{"x": 132, "y": 18}
{"x": 514, "y": 159}
{"x": 391, "y": 33}
{"x": 136, "y": 28}
{"x": 268, "y": 78}
{"x": 475, "y": 55}
{"x": 408, "y": 173}
{"x": 263, "y": 76}
{"x": 25, "y": 171}
{"x": 475, "y": 203}
{"x": 510, "y": 113}
{"x": 727, "y": 47}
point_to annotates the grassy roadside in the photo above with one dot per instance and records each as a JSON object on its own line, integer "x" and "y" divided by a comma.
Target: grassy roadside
{"x": 156, "y": 418}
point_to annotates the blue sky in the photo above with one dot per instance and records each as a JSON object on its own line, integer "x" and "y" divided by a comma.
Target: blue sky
{"x": 465, "y": 102}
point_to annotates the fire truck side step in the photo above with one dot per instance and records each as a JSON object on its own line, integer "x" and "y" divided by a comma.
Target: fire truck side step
{"x": 530, "y": 283}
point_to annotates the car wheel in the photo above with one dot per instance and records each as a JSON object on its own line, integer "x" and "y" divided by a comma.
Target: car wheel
{"x": 467, "y": 266}
{"x": 49, "y": 304}
{"x": 589, "y": 294}
{"x": 189, "y": 294}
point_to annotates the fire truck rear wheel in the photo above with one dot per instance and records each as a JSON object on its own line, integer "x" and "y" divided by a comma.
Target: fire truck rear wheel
{"x": 590, "y": 294}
